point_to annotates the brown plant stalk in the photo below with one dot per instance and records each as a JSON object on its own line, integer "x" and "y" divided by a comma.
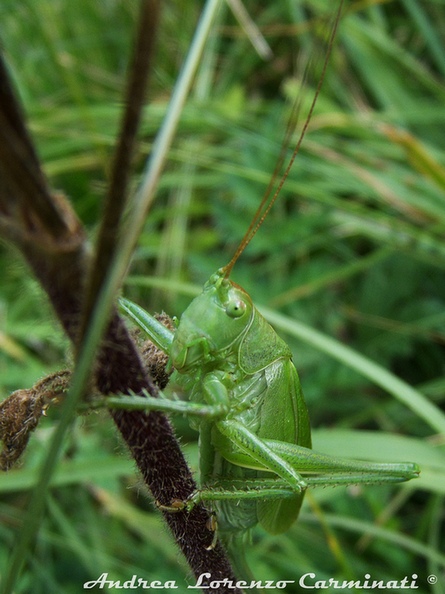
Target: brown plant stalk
{"x": 45, "y": 229}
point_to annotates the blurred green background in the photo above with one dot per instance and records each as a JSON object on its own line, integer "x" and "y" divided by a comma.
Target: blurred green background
{"x": 354, "y": 248}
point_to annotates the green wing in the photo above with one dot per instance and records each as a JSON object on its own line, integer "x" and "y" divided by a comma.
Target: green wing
{"x": 284, "y": 417}
{"x": 277, "y": 516}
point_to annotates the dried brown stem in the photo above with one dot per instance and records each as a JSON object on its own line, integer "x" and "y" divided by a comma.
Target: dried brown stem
{"x": 46, "y": 230}
{"x": 121, "y": 166}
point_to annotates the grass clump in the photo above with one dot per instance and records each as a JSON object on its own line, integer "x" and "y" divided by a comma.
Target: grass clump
{"x": 353, "y": 250}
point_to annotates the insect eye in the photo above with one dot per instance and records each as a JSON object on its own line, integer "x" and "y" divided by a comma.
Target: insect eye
{"x": 235, "y": 308}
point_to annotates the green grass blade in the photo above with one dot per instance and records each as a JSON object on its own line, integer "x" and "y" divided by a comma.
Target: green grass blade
{"x": 411, "y": 397}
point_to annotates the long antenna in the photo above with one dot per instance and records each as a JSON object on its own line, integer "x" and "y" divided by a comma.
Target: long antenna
{"x": 267, "y": 202}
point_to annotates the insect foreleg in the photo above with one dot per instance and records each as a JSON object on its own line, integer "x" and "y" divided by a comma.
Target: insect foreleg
{"x": 161, "y": 336}
{"x": 214, "y": 391}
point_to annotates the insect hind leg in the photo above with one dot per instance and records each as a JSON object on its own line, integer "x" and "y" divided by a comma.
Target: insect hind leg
{"x": 241, "y": 447}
